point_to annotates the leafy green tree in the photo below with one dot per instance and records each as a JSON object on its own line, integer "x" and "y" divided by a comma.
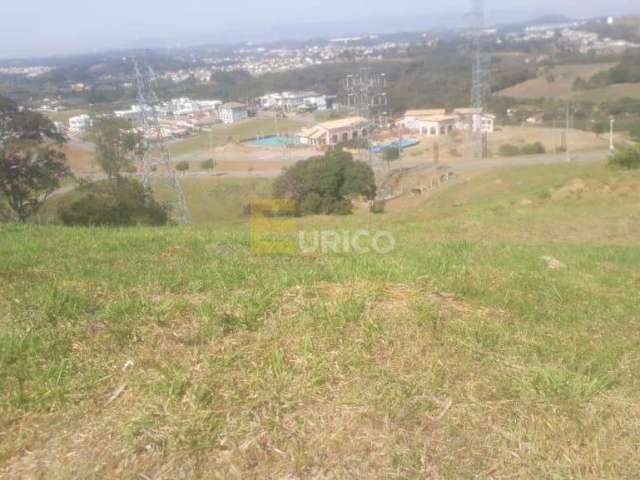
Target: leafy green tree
{"x": 209, "y": 164}
{"x": 31, "y": 162}
{"x": 326, "y": 184}
{"x": 116, "y": 146}
{"x": 182, "y": 166}
{"x": 599, "y": 128}
{"x": 391, "y": 154}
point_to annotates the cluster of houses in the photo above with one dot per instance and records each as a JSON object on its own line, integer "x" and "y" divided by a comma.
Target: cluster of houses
{"x": 430, "y": 123}
{"x": 292, "y": 102}
{"x": 437, "y": 122}
{"x": 177, "y": 117}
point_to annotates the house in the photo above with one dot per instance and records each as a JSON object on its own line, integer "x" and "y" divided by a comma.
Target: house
{"x": 433, "y": 122}
{"x": 293, "y": 101}
{"x": 336, "y": 131}
{"x": 473, "y": 119}
{"x": 80, "y": 123}
{"x": 233, "y": 112}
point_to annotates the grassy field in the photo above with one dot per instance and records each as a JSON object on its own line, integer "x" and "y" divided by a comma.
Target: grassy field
{"x": 181, "y": 353}
{"x": 456, "y": 148}
{"x": 563, "y": 77}
{"x": 561, "y": 87}
{"x": 223, "y": 134}
{"x": 213, "y": 200}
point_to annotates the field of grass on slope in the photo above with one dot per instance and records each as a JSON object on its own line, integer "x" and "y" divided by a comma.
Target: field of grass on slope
{"x": 559, "y": 82}
{"x": 180, "y": 353}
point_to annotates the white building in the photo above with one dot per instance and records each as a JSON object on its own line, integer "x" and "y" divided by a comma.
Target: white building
{"x": 233, "y": 112}
{"x": 293, "y": 101}
{"x": 437, "y": 122}
{"x": 80, "y": 123}
{"x": 432, "y": 123}
{"x": 473, "y": 119}
{"x": 335, "y": 132}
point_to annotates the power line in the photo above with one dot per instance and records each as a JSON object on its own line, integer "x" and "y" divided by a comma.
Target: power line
{"x": 480, "y": 79}
{"x": 149, "y": 126}
{"x": 366, "y": 92}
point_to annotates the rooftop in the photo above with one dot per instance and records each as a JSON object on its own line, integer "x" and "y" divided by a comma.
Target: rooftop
{"x": 344, "y": 123}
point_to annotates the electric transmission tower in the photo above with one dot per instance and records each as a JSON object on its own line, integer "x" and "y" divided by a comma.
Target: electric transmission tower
{"x": 366, "y": 93}
{"x": 480, "y": 79}
{"x": 153, "y": 136}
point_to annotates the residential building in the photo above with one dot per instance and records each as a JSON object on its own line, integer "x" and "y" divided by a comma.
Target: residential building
{"x": 233, "y": 112}
{"x": 434, "y": 122}
{"x": 475, "y": 120}
{"x": 336, "y": 131}
{"x": 80, "y": 123}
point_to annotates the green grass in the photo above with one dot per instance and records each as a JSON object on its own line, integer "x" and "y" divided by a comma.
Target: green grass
{"x": 245, "y": 130}
{"x": 213, "y": 200}
{"x": 459, "y": 355}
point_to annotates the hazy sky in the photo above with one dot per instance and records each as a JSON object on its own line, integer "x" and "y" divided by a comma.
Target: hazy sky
{"x": 31, "y": 27}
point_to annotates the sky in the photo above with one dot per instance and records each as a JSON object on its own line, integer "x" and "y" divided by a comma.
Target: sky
{"x": 46, "y": 27}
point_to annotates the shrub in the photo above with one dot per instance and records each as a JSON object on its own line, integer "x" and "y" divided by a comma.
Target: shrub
{"x": 627, "y": 158}
{"x": 209, "y": 164}
{"x": 509, "y": 151}
{"x": 182, "y": 166}
{"x": 536, "y": 148}
{"x": 390, "y": 154}
{"x": 325, "y": 184}
{"x": 113, "y": 203}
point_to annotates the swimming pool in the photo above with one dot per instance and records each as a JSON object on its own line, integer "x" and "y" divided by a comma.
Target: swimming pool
{"x": 401, "y": 144}
{"x": 273, "y": 141}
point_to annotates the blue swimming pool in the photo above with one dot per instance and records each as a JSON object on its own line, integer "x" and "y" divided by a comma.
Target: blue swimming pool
{"x": 401, "y": 144}
{"x": 273, "y": 141}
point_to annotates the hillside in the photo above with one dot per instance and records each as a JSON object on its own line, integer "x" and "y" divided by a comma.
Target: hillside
{"x": 498, "y": 340}
{"x": 558, "y": 82}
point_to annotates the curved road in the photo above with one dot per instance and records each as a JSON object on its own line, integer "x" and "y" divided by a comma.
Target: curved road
{"x": 459, "y": 167}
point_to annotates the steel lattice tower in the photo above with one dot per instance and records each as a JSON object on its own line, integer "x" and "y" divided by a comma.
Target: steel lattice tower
{"x": 480, "y": 78}
{"x": 366, "y": 92}
{"x": 149, "y": 126}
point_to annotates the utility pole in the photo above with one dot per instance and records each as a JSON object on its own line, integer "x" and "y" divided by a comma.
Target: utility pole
{"x": 612, "y": 122}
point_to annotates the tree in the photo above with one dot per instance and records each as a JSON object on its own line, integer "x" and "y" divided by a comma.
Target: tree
{"x": 209, "y": 164}
{"x": 599, "y": 128}
{"x": 116, "y": 146}
{"x": 119, "y": 202}
{"x": 182, "y": 166}
{"x": 326, "y": 184}
{"x": 31, "y": 162}
{"x": 391, "y": 154}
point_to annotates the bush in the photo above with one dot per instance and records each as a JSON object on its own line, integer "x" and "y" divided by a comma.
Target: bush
{"x": 536, "y": 148}
{"x": 182, "y": 166}
{"x": 325, "y": 184}
{"x": 208, "y": 164}
{"x": 113, "y": 203}
{"x": 390, "y": 154}
{"x": 509, "y": 151}
{"x": 627, "y": 158}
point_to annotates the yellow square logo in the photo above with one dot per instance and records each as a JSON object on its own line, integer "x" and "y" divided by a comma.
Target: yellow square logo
{"x": 273, "y": 227}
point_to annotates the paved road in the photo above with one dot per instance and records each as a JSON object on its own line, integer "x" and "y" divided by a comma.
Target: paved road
{"x": 459, "y": 167}
{"x": 468, "y": 165}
